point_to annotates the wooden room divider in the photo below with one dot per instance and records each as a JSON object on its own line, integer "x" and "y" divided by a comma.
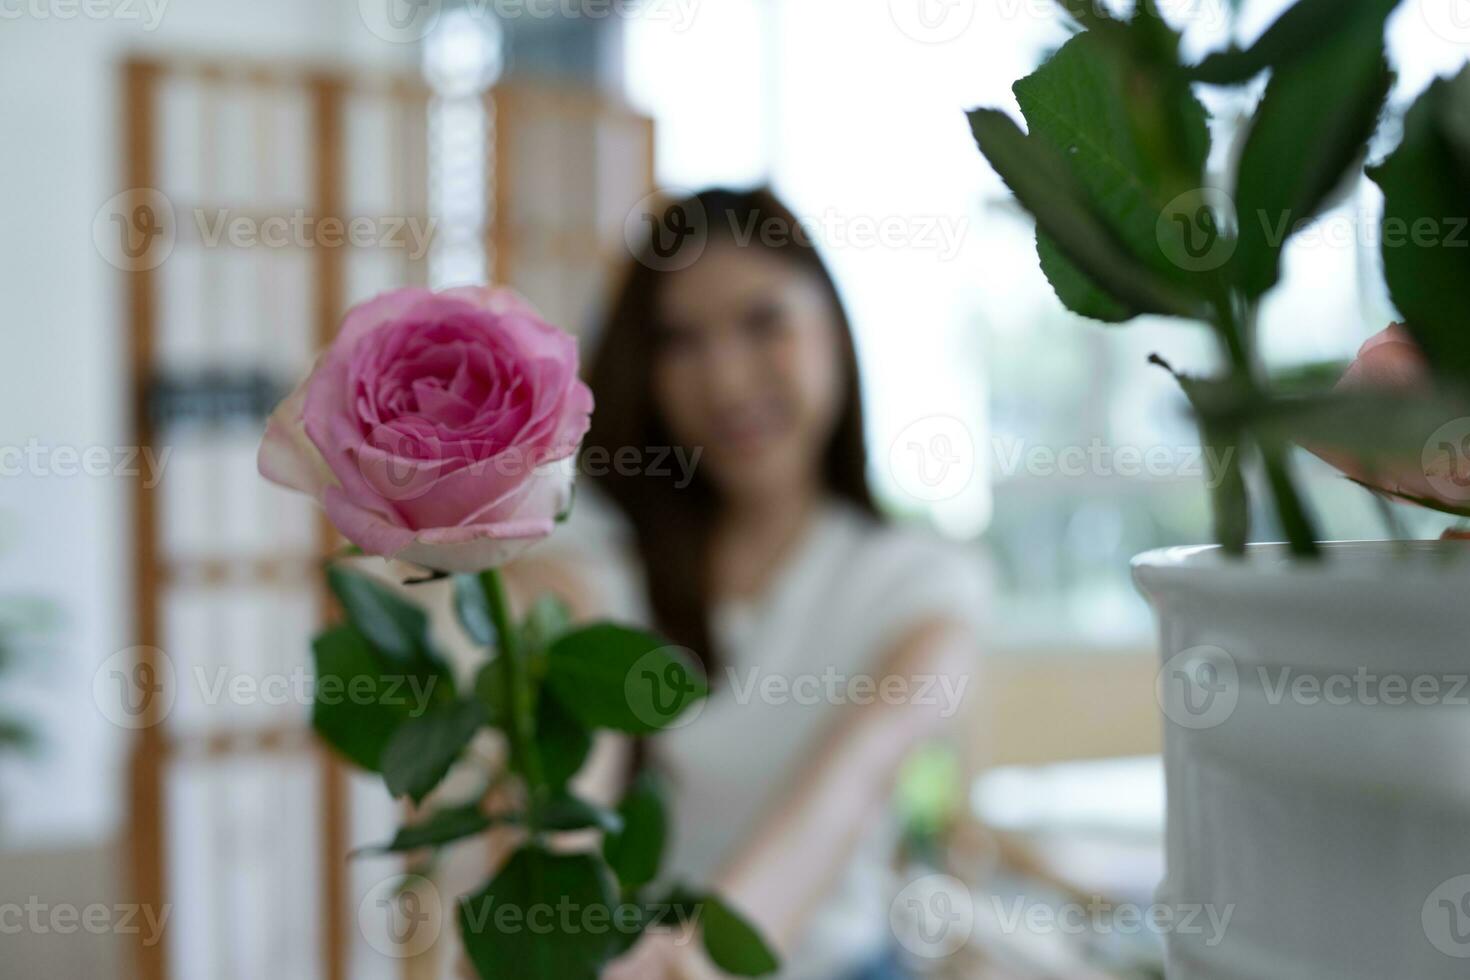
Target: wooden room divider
{"x": 240, "y": 824}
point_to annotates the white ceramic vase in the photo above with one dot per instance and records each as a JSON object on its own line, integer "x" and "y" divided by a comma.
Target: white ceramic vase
{"x": 1317, "y": 755}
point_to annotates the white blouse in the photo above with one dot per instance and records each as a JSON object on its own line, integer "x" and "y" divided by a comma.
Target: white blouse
{"x": 791, "y": 659}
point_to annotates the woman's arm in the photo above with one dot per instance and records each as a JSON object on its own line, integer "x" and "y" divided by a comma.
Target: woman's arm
{"x": 797, "y": 850}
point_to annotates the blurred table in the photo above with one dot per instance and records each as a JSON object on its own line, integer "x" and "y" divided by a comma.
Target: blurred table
{"x": 1082, "y": 840}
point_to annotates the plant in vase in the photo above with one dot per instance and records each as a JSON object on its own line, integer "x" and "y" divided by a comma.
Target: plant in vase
{"x": 1323, "y": 806}
{"x": 441, "y": 429}
{"x": 1114, "y": 170}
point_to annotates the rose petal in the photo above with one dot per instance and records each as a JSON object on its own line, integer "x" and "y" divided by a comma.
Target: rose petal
{"x": 545, "y": 496}
{"x": 286, "y": 456}
{"x": 496, "y": 299}
{"x": 372, "y": 532}
{"x": 474, "y": 549}
{"x": 371, "y": 314}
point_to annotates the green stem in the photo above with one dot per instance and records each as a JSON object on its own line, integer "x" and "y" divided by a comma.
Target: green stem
{"x": 519, "y": 718}
{"x": 1239, "y": 340}
{"x": 1301, "y": 534}
{"x": 1235, "y": 336}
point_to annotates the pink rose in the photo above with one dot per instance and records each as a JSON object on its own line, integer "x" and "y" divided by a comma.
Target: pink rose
{"x": 438, "y": 428}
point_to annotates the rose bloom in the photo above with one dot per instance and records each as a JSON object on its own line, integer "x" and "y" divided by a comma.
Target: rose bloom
{"x": 438, "y": 428}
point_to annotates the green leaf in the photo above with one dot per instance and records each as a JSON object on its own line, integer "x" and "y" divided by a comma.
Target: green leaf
{"x": 1219, "y": 408}
{"x": 1036, "y": 175}
{"x": 473, "y": 613}
{"x": 636, "y": 853}
{"x": 1229, "y": 499}
{"x": 534, "y": 919}
{"x": 563, "y": 741}
{"x": 1298, "y": 32}
{"x": 441, "y": 827}
{"x": 422, "y": 749}
{"x": 1077, "y": 292}
{"x": 631, "y": 922}
{"x": 1129, "y": 131}
{"x": 547, "y": 619}
{"x": 1296, "y": 523}
{"x": 1089, "y": 14}
{"x": 397, "y": 628}
{"x": 490, "y": 691}
{"x": 1425, "y": 241}
{"x": 733, "y": 944}
{"x": 1310, "y": 378}
{"x": 15, "y": 734}
{"x": 1454, "y": 120}
{"x": 357, "y": 705}
{"x": 1306, "y": 138}
{"x": 610, "y": 676}
{"x": 1375, "y": 426}
{"x": 1428, "y": 503}
{"x": 565, "y": 811}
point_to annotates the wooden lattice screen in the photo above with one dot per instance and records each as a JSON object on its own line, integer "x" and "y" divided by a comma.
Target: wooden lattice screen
{"x": 240, "y": 824}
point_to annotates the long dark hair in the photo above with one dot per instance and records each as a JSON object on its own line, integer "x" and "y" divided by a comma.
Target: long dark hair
{"x": 673, "y": 525}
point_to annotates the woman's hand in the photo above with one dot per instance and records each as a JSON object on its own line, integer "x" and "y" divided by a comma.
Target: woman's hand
{"x": 1390, "y": 360}
{"x": 663, "y": 955}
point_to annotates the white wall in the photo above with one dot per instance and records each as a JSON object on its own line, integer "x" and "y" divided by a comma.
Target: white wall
{"x": 63, "y": 354}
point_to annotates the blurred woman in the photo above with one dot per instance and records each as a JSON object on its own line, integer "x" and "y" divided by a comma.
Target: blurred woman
{"x": 726, "y": 505}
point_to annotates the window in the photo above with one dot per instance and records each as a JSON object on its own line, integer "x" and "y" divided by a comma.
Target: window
{"x": 992, "y": 410}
